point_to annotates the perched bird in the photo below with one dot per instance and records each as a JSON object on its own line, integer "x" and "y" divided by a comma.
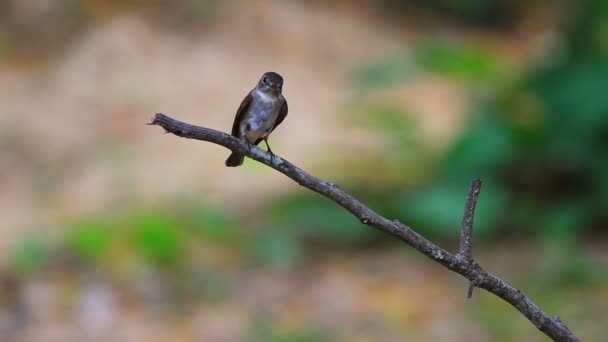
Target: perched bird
{"x": 262, "y": 110}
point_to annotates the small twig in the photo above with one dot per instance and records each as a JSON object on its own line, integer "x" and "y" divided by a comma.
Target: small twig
{"x": 456, "y": 263}
{"x": 466, "y": 233}
{"x": 470, "y": 292}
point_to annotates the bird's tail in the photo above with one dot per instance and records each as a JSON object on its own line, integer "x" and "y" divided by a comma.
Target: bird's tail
{"x": 235, "y": 159}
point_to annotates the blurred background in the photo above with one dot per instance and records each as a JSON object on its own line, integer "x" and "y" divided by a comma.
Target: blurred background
{"x": 112, "y": 231}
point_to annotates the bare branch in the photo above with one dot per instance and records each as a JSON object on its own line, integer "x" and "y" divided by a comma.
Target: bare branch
{"x": 552, "y": 327}
{"x": 466, "y": 234}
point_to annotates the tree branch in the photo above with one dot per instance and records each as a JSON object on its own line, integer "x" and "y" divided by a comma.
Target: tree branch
{"x": 466, "y": 234}
{"x": 460, "y": 263}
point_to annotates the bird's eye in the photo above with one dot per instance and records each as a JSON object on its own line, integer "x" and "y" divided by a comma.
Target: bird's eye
{"x": 264, "y": 80}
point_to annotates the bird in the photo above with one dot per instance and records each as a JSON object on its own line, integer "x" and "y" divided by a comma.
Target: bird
{"x": 261, "y": 111}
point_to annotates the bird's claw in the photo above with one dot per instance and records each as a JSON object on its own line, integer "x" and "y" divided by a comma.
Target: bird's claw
{"x": 269, "y": 150}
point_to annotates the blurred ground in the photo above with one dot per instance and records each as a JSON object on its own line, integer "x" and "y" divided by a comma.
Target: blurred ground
{"x": 385, "y": 295}
{"x": 74, "y": 144}
{"x": 88, "y": 107}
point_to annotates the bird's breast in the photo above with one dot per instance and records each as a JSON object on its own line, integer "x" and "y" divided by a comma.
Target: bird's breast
{"x": 260, "y": 117}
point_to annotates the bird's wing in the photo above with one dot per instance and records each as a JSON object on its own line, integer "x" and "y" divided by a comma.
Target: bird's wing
{"x": 282, "y": 114}
{"x": 239, "y": 114}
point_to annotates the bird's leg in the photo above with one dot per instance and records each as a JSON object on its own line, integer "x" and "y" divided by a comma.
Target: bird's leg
{"x": 269, "y": 150}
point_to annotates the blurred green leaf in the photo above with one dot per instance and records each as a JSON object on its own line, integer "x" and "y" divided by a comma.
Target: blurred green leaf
{"x": 90, "y": 240}
{"x": 213, "y": 224}
{"x": 462, "y": 61}
{"x": 275, "y": 248}
{"x": 457, "y": 60}
{"x": 313, "y": 218}
{"x": 438, "y": 211}
{"x": 563, "y": 223}
{"x": 29, "y": 255}
{"x": 480, "y": 150}
{"x": 262, "y": 330}
{"x": 157, "y": 238}
{"x": 488, "y": 13}
{"x": 390, "y": 120}
{"x": 386, "y": 72}
{"x": 538, "y": 142}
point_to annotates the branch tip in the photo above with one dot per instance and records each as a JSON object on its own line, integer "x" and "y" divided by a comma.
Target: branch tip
{"x": 154, "y": 119}
{"x": 471, "y": 287}
{"x": 466, "y": 233}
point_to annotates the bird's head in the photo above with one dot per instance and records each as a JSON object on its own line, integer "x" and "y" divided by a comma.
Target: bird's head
{"x": 271, "y": 82}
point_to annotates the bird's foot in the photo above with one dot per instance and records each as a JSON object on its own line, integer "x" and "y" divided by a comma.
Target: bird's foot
{"x": 272, "y": 156}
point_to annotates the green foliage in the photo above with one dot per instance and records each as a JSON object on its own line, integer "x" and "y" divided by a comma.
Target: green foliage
{"x": 389, "y": 119}
{"x": 444, "y": 203}
{"x": 29, "y": 255}
{"x": 90, "y": 240}
{"x": 398, "y": 130}
{"x": 212, "y": 223}
{"x": 483, "y": 148}
{"x": 490, "y": 13}
{"x": 465, "y": 62}
{"x": 387, "y": 72}
{"x": 308, "y": 216}
{"x": 262, "y": 330}
{"x": 276, "y": 248}
{"x": 157, "y": 238}
{"x": 538, "y": 140}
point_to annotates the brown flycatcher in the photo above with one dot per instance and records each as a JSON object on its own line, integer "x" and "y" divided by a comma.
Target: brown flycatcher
{"x": 262, "y": 110}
